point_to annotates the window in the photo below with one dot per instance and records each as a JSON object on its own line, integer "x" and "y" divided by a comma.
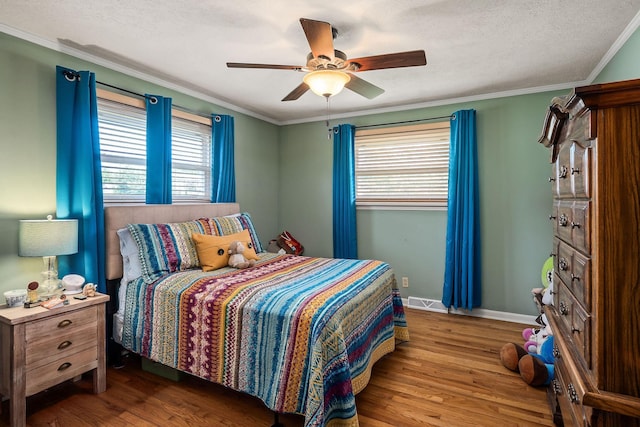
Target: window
{"x": 404, "y": 166}
{"x": 122, "y": 126}
{"x": 123, "y": 147}
{"x": 190, "y": 160}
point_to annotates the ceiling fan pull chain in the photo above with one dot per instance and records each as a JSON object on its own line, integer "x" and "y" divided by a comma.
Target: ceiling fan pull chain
{"x": 327, "y": 122}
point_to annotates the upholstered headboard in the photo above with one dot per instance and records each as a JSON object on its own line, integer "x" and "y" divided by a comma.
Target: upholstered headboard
{"x": 117, "y": 217}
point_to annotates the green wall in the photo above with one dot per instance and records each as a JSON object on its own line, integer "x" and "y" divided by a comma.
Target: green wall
{"x": 625, "y": 64}
{"x": 28, "y": 142}
{"x": 514, "y": 207}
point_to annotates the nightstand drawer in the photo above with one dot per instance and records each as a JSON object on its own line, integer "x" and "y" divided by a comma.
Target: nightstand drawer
{"x": 61, "y": 369}
{"x": 64, "y": 323}
{"x": 42, "y": 351}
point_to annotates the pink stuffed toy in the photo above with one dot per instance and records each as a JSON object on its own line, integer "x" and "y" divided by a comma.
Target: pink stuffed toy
{"x": 534, "y": 337}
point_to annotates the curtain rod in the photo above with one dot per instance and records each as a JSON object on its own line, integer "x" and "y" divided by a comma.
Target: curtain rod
{"x": 451, "y": 116}
{"x": 152, "y": 98}
{"x": 68, "y": 73}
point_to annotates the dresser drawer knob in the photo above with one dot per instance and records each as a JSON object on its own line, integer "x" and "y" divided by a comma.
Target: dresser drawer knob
{"x": 64, "y": 344}
{"x": 564, "y": 310}
{"x": 64, "y": 323}
{"x": 551, "y": 179}
{"x": 575, "y": 224}
{"x": 563, "y": 264}
{"x": 557, "y": 388}
{"x": 552, "y": 217}
{"x": 575, "y": 171}
{"x": 563, "y": 221}
{"x": 574, "y": 277}
{"x": 556, "y": 351}
{"x": 573, "y": 394}
{"x": 563, "y": 172}
{"x": 575, "y": 330}
{"x": 65, "y": 365}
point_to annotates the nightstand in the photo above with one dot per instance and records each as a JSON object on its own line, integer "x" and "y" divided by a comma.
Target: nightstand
{"x": 42, "y": 348}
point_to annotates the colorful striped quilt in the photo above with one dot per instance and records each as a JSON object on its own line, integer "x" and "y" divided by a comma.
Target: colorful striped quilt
{"x": 299, "y": 333}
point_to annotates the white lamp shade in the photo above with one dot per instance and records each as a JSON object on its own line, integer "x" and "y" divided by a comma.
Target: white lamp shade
{"x": 326, "y": 82}
{"x": 50, "y": 237}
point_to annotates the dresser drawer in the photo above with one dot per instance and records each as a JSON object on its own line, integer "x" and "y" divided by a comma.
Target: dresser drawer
{"x": 581, "y": 226}
{"x": 575, "y": 320}
{"x": 580, "y": 170}
{"x": 564, "y": 217}
{"x": 569, "y": 393}
{"x": 60, "y": 369}
{"x": 571, "y": 171}
{"x": 574, "y": 270}
{"x": 60, "y": 345}
{"x": 58, "y": 325}
{"x": 561, "y": 173}
{"x": 572, "y": 223}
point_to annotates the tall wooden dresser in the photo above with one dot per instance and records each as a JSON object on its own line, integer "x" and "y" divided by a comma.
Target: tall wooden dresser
{"x": 593, "y": 134}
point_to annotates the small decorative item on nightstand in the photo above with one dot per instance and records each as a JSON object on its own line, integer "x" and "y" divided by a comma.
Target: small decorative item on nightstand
{"x": 48, "y": 239}
{"x": 15, "y": 298}
{"x": 73, "y": 284}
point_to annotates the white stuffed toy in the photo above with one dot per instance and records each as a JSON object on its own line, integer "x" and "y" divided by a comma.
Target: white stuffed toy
{"x": 547, "y": 296}
{"x": 535, "y": 337}
{"x": 236, "y": 257}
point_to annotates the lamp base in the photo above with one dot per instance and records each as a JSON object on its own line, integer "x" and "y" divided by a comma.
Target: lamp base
{"x": 51, "y": 286}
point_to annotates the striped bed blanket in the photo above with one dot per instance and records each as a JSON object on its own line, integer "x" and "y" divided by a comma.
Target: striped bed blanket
{"x": 300, "y": 333}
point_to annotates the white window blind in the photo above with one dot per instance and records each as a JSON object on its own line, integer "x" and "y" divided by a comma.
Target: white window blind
{"x": 190, "y": 161}
{"x": 123, "y": 151}
{"x": 402, "y": 166}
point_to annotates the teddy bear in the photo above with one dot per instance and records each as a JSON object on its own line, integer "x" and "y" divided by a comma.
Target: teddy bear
{"x": 236, "y": 257}
{"x": 89, "y": 290}
{"x": 535, "y": 368}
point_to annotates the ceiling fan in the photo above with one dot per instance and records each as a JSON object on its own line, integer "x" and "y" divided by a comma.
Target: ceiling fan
{"x": 329, "y": 70}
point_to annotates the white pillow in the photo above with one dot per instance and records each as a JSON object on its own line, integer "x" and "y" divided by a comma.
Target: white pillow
{"x": 131, "y": 267}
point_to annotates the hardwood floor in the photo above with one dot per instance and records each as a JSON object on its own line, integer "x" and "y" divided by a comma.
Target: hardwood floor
{"x": 449, "y": 374}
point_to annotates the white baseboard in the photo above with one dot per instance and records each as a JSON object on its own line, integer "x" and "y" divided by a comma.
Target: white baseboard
{"x": 437, "y": 306}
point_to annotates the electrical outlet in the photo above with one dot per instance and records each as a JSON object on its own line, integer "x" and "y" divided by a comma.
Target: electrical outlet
{"x": 405, "y": 282}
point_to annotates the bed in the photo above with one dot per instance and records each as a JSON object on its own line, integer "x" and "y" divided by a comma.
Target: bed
{"x": 300, "y": 333}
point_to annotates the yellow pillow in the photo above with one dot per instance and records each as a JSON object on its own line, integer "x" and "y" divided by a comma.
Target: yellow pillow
{"x": 213, "y": 251}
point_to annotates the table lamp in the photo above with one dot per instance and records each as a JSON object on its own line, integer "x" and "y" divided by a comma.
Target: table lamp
{"x": 48, "y": 239}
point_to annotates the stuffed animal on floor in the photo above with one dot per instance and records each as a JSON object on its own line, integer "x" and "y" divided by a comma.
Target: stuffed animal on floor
{"x": 534, "y": 337}
{"x": 544, "y": 295}
{"x": 236, "y": 257}
{"x": 536, "y": 368}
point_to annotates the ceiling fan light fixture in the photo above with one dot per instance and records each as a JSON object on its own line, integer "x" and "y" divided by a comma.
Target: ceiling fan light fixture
{"x": 326, "y": 82}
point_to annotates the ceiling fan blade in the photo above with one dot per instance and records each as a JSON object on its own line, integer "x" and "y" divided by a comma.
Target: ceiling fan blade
{"x": 320, "y": 37}
{"x": 363, "y": 87}
{"x": 268, "y": 66}
{"x": 297, "y": 92}
{"x": 391, "y": 60}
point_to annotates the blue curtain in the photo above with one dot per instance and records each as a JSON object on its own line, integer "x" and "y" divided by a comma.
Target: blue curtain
{"x": 158, "y": 149}
{"x": 345, "y": 242}
{"x": 78, "y": 173}
{"x": 223, "y": 172}
{"x": 462, "y": 278}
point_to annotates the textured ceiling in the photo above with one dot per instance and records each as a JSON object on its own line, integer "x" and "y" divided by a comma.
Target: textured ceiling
{"x": 475, "y": 48}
